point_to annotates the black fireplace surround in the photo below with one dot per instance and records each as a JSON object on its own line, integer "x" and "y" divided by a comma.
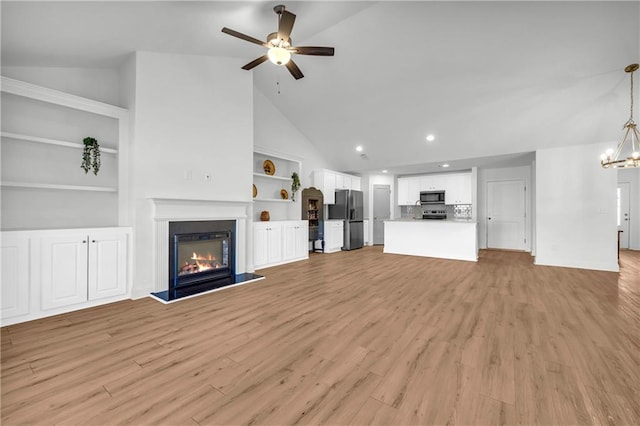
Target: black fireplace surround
{"x": 201, "y": 258}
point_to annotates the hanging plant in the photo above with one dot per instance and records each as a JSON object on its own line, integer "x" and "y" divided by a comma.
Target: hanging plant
{"x": 91, "y": 155}
{"x": 295, "y": 185}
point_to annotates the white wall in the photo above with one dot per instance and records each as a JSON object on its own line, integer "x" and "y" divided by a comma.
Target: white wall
{"x": 502, "y": 174}
{"x": 193, "y": 115}
{"x": 632, "y": 176}
{"x": 575, "y": 209}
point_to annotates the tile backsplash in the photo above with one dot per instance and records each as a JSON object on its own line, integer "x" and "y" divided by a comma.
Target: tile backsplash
{"x": 456, "y": 211}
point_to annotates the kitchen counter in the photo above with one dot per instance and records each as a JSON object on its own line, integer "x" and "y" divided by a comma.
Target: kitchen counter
{"x": 446, "y": 239}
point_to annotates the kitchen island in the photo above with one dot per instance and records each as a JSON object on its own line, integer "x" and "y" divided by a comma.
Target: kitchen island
{"x": 446, "y": 239}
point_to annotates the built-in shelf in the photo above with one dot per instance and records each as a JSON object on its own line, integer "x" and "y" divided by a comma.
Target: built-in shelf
{"x": 52, "y": 141}
{"x": 56, "y": 186}
{"x": 262, "y": 175}
{"x": 272, "y": 200}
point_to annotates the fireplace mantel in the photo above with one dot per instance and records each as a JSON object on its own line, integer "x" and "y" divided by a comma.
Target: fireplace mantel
{"x": 166, "y": 210}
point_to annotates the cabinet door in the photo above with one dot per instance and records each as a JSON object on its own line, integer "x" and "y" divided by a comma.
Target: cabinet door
{"x": 302, "y": 240}
{"x": 260, "y": 245}
{"x": 290, "y": 230}
{"x": 414, "y": 191}
{"x": 64, "y": 270}
{"x": 337, "y": 235}
{"x": 274, "y": 243}
{"x": 356, "y": 183}
{"x": 15, "y": 276}
{"x": 329, "y": 187}
{"x": 432, "y": 183}
{"x": 403, "y": 191}
{"x": 465, "y": 189}
{"x": 107, "y": 264}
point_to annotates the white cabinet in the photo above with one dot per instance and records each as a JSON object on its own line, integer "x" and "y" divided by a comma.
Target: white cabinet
{"x": 269, "y": 183}
{"x": 333, "y": 235}
{"x": 408, "y": 191}
{"x": 366, "y": 232}
{"x": 49, "y": 272}
{"x": 458, "y": 189}
{"x": 328, "y": 181}
{"x": 267, "y": 243}
{"x": 279, "y": 242}
{"x": 432, "y": 183}
{"x": 64, "y": 270}
{"x": 356, "y": 183}
{"x": 295, "y": 243}
{"x": 81, "y": 266}
{"x": 15, "y": 276}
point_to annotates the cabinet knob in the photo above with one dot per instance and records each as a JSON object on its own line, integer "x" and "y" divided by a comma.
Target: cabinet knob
{"x": 84, "y": 241}
{"x": 93, "y": 241}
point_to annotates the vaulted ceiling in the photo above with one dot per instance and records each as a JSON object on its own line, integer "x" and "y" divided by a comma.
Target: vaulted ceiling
{"x": 490, "y": 80}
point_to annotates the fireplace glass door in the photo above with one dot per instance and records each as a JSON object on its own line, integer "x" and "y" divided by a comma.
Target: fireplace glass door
{"x": 199, "y": 256}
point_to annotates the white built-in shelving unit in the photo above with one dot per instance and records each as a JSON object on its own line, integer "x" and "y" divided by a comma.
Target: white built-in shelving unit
{"x": 42, "y": 183}
{"x": 269, "y": 187}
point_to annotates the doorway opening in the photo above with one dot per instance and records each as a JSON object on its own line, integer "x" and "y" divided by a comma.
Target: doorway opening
{"x": 381, "y": 211}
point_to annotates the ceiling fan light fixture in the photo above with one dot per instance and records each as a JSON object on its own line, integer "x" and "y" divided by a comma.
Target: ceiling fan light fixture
{"x": 619, "y": 158}
{"x": 279, "y": 55}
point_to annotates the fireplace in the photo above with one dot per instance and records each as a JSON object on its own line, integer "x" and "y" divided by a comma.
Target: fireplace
{"x": 216, "y": 231}
{"x": 201, "y": 256}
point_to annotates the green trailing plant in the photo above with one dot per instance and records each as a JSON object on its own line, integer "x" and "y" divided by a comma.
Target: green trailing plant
{"x": 91, "y": 155}
{"x": 295, "y": 185}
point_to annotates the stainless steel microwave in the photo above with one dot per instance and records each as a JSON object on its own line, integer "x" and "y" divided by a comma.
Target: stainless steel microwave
{"x": 432, "y": 197}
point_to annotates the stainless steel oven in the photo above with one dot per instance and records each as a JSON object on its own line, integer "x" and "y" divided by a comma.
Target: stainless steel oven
{"x": 431, "y": 197}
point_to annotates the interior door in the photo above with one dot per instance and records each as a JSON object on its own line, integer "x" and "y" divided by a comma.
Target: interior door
{"x": 381, "y": 211}
{"x": 506, "y": 215}
{"x": 623, "y": 214}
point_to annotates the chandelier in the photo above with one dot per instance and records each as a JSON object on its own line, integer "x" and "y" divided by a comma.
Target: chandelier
{"x": 617, "y": 159}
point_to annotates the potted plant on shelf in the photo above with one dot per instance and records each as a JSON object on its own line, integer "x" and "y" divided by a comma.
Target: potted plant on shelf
{"x": 91, "y": 155}
{"x": 295, "y": 185}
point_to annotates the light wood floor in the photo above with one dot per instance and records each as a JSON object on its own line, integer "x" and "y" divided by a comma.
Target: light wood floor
{"x": 346, "y": 338}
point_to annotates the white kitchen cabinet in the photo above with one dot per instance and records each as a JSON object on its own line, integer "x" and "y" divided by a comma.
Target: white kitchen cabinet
{"x": 365, "y": 224}
{"x": 356, "y": 183}
{"x": 408, "y": 191}
{"x": 333, "y": 235}
{"x": 15, "y": 275}
{"x": 78, "y": 266}
{"x": 433, "y": 183}
{"x": 458, "y": 189}
{"x": 328, "y": 181}
{"x": 279, "y": 242}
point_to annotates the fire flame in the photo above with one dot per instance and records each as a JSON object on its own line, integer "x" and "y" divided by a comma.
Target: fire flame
{"x": 200, "y": 263}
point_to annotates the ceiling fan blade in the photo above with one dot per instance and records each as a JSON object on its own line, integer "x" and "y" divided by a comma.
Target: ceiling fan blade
{"x": 294, "y": 70}
{"x": 255, "y": 62}
{"x": 313, "y": 50}
{"x": 285, "y": 25}
{"x": 243, "y": 36}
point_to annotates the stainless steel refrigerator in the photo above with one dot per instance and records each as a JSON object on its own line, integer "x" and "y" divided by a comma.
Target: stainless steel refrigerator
{"x": 348, "y": 207}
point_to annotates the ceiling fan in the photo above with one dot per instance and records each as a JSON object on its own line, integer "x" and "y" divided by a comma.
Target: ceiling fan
{"x": 279, "y": 44}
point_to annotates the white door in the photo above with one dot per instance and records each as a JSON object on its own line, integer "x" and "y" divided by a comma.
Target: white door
{"x": 64, "y": 270}
{"x": 291, "y": 235}
{"x": 107, "y": 265}
{"x": 624, "y": 219}
{"x": 381, "y": 211}
{"x": 506, "y": 215}
{"x": 274, "y": 243}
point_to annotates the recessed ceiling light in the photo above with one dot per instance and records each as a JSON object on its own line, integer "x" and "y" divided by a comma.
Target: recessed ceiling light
{"x": 430, "y": 138}
{"x": 359, "y": 148}
{"x": 444, "y": 166}
{"x": 385, "y": 171}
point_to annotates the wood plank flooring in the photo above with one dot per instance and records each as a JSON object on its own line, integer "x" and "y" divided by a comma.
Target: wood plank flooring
{"x": 356, "y": 337}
